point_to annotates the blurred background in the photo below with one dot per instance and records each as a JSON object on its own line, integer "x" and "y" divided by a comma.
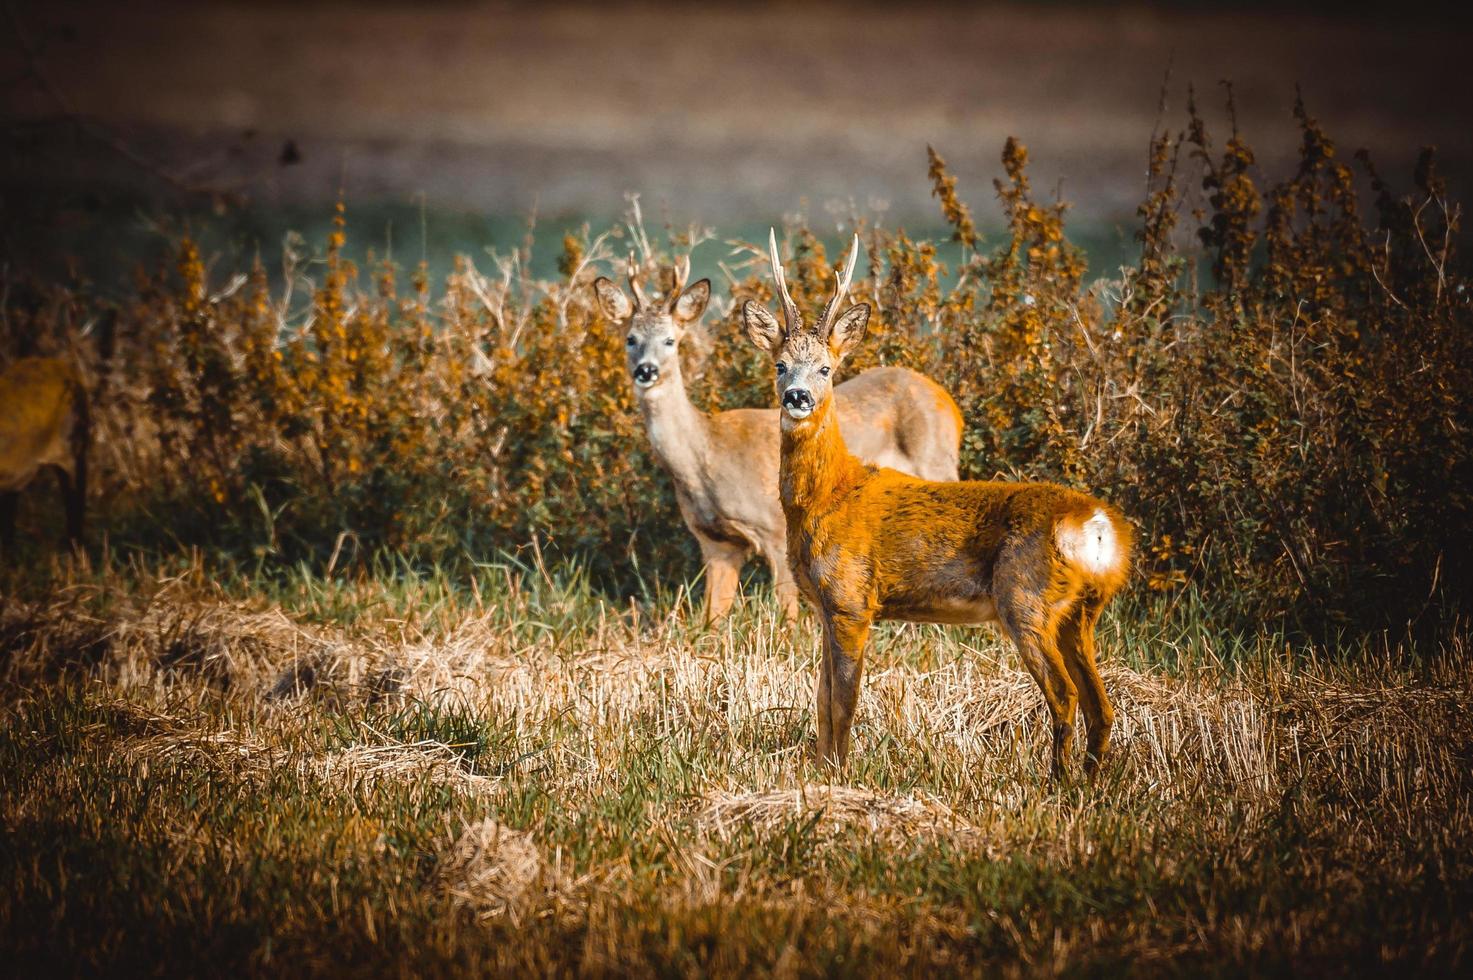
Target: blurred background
{"x": 445, "y": 125}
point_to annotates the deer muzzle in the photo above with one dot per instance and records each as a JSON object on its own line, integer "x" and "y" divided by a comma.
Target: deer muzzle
{"x": 798, "y": 402}
{"x": 646, "y": 374}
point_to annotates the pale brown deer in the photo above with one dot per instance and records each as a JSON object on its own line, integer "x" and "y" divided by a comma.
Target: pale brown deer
{"x": 870, "y": 543}
{"x": 44, "y": 423}
{"x": 725, "y": 464}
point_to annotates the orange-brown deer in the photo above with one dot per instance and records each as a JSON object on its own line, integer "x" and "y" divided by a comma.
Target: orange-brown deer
{"x": 868, "y": 543}
{"x": 725, "y": 464}
{"x": 43, "y": 422}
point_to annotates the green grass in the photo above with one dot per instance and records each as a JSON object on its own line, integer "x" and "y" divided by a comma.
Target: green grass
{"x": 551, "y": 783}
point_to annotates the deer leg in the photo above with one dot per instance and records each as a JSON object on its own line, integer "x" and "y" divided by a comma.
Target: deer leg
{"x": 76, "y": 500}
{"x": 1034, "y": 635}
{"x": 66, "y": 486}
{"x": 783, "y": 584}
{"x": 8, "y": 502}
{"x": 723, "y": 570}
{"x": 74, "y": 496}
{"x": 1077, "y": 645}
{"x": 825, "y": 700}
{"x": 936, "y": 457}
{"x": 845, "y": 637}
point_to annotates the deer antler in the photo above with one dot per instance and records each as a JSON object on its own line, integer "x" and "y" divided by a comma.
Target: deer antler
{"x": 682, "y": 273}
{"x": 790, "y": 309}
{"x": 841, "y": 284}
{"x": 639, "y": 301}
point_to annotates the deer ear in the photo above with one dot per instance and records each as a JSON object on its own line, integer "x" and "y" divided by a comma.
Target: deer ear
{"x": 692, "y": 302}
{"x": 611, "y": 299}
{"x": 848, "y": 330}
{"x": 762, "y": 327}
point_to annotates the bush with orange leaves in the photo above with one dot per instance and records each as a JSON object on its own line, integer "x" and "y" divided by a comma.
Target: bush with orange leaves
{"x": 1292, "y": 438}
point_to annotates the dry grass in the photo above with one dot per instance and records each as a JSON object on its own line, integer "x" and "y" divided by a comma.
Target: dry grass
{"x": 494, "y": 870}
{"x": 521, "y": 777}
{"x": 894, "y": 819}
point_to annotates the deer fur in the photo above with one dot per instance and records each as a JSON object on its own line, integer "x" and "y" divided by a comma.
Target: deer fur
{"x": 725, "y": 464}
{"x": 870, "y": 543}
{"x": 44, "y": 423}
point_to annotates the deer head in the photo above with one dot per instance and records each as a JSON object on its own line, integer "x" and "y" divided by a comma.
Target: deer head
{"x": 653, "y": 329}
{"x": 806, "y": 356}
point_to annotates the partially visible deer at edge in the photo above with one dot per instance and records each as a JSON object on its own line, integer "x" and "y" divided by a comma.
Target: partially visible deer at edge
{"x": 868, "y": 543}
{"x": 725, "y": 464}
{"x": 44, "y": 422}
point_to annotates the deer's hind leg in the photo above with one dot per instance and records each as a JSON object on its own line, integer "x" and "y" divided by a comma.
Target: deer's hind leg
{"x": 934, "y": 456}
{"x": 74, "y": 499}
{"x": 1077, "y": 645}
{"x": 1030, "y": 624}
{"x": 76, "y": 494}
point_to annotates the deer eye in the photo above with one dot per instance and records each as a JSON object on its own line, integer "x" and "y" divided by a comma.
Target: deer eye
{"x": 824, "y": 371}
{"x": 629, "y": 341}
{"x": 782, "y": 369}
{"x": 669, "y": 341}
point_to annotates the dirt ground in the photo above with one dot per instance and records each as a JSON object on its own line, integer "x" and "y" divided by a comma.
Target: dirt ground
{"x": 714, "y": 112}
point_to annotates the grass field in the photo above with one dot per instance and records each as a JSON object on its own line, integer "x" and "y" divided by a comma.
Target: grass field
{"x": 201, "y": 772}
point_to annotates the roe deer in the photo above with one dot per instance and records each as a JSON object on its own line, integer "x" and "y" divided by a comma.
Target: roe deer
{"x": 43, "y": 422}
{"x": 868, "y": 543}
{"x": 725, "y": 464}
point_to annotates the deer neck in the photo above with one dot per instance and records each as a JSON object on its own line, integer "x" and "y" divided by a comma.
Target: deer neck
{"x": 679, "y": 432}
{"x": 817, "y": 466}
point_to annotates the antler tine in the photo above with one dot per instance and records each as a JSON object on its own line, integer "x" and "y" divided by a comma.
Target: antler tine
{"x": 841, "y": 282}
{"x": 682, "y": 273}
{"x": 639, "y": 301}
{"x": 790, "y": 309}
{"x": 841, "y": 288}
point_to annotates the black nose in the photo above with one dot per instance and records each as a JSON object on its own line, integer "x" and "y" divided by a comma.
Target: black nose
{"x": 645, "y": 373}
{"x": 797, "y": 398}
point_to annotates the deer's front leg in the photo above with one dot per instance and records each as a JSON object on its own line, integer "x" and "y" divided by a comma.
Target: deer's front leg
{"x": 845, "y": 638}
{"x": 825, "y": 702}
{"x": 723, "y": 571}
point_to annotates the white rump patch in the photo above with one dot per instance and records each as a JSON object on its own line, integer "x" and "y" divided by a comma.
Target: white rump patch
{"x": 1091, "y": 545}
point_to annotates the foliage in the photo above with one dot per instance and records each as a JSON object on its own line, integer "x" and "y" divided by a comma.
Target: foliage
{"x": 551, "y": 787}
{"x": 1292, "y": 436}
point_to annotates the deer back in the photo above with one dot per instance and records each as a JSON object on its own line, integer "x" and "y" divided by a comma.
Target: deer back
{"x": 940, "y": 552}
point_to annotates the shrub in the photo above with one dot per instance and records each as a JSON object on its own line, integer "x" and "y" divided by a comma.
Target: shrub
{"x": 1293, "y": 435}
